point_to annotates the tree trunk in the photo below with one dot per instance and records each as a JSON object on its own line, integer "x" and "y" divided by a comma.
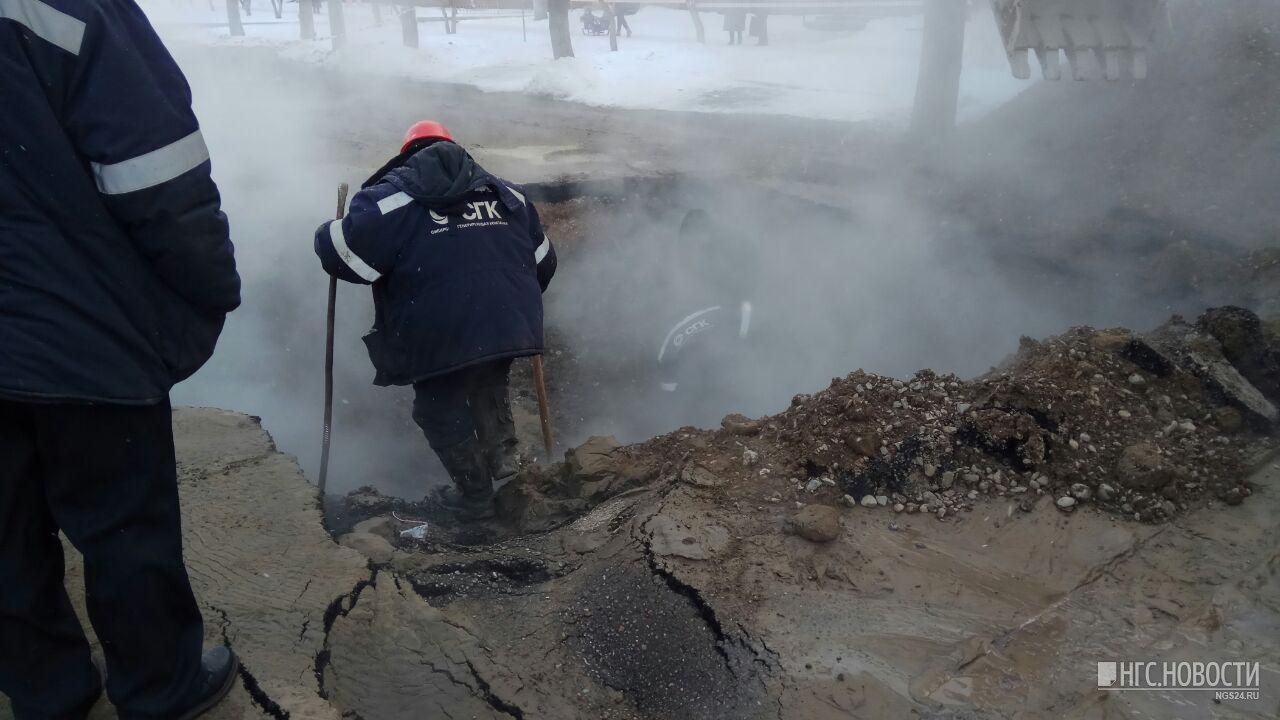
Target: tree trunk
{"x": 337, "y": 24}
{"x": 306, "y": 20}
{"x": 613, "y": 27}
{"x": 697, "y": 22}
{"x": 561, "y": 40}
{"x": 539, "y": 10}
{"x": 377, "y": 12}
{"x": 409, "y": 25}
{"x": 233, "y": 18}
{"x": 941, "y": 58}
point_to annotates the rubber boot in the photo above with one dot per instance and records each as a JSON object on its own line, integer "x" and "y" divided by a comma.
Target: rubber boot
{"x": 466, "y": 465}
{"x": 496, "y": 430}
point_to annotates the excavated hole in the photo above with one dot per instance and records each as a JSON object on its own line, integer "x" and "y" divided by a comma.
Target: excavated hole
{"x": 831, "y": 290}
{"x": 601, "y": 370}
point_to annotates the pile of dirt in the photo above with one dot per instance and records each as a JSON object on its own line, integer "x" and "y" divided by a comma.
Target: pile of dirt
{"x": 1140, "y": 425}
{"x": 1143, "y": 425}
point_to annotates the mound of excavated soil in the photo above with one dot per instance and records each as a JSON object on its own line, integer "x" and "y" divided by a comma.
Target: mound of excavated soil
{"x": 1141, "y": 425}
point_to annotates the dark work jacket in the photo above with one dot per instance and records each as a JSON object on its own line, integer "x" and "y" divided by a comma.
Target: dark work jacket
{"x": 458, "y": 261}
{"x": 116, "y": 269}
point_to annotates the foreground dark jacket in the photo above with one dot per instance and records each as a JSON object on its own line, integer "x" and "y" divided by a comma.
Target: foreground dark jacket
{"x": 115, "y": 265}
{"x": 458, "y": 261}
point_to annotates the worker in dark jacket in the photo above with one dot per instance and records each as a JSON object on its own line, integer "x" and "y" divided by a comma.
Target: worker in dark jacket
{"x": 458, "y": 261}
{"x": 116, "y": 272}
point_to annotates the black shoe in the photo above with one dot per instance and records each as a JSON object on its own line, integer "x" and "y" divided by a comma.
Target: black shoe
{"x": 220, "y": 666}
{"x": 469, "y": 471}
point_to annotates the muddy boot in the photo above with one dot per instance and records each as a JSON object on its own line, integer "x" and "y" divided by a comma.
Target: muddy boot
{"x": 497, "y": 431}
{"x": 468, "y": 469}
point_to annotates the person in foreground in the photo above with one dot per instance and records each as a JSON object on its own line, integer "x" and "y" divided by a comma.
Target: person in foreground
{"x": 458, "y": 261}
{"x": 116, "y": 271}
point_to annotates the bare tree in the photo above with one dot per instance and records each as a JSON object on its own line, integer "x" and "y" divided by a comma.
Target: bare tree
{"x": 697, "y": 22}
{"x": 409, "y": 25}
{"x": 233, "y": 18}
{"x": 306, "y": 20}
{"x": 941, "y": 58}
{"x": 337, "y": 24}
{"x": 558, "y": 22}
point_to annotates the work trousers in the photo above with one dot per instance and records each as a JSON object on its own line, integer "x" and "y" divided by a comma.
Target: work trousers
{"x": 457, "y": 406}
{"x": 104, "y": 475}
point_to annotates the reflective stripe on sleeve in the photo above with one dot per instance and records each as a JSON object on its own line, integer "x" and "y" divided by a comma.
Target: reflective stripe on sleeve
{"x": 519, "y": 195}
{"x": 353, "y": 261}
{"x": 662, "y": 351}
{"x": 391, "y": 203}
{"x": 51, "y": 25}
{"x": 154, "y": 168}
{"x": 744, "y": 326}
{"x": 543, "y": 249}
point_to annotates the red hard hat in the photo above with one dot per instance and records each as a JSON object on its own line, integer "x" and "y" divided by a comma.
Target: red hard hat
{"x": 425, "y": 130}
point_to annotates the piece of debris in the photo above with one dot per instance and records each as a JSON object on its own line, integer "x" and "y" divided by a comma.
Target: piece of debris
{"x": 1141, "y": 467}
{"x": 816, "y": 523}
{"x": 699, "y": 476}
{"x": 377, "y": 549}
{"x": 738, "y": 424}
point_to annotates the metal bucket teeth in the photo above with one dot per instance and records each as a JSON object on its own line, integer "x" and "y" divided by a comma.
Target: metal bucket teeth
{"x": 1101, "y": 38}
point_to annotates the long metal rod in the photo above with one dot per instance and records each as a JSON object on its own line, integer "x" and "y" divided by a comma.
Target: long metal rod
{"x": 328, "y": 358}
{"x": 544, "y": 408}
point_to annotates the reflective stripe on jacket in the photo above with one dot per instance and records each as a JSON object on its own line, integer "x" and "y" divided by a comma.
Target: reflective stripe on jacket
{"x": 116, "y": 268}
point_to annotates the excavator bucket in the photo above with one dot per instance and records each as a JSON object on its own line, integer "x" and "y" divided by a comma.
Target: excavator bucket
{"x": 1107, "y": 38}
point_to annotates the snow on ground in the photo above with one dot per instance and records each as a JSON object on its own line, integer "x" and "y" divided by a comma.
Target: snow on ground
{"x": 836, "y": 75}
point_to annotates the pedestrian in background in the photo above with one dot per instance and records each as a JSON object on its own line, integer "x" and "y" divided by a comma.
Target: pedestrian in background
{"x": 735, "y": 22}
